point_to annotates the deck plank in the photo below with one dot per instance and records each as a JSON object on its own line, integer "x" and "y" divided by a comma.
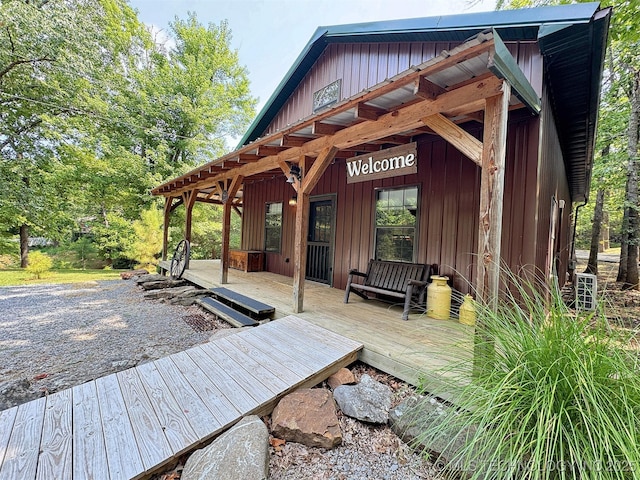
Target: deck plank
{"x": 123, "y": 457}
{"x": 211, "y": 392}
{"x": 7, "y": 418}
{"x": 276, "y": 352}
{"x": 57, "y": 437}
{"x": 259, "y": 391}
{"x": 274, "y": 379}
{"x": 21, "y": 458}
{"x": 152, "y": 443}
{"x": 130, "y": 424}
{"x": 194, "y": 409}
{"x": 172, "y": 418}
{"x": 89, "y": 452}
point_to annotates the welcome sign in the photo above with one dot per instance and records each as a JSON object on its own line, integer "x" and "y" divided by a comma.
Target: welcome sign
{"x": 392, "y": 162}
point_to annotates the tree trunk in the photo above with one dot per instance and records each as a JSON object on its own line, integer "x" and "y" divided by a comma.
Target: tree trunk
{"x": 631, "y": 279}
{"x": 592, "y": 265}
{"x": 624, "y": 242}
{"x": 24, "y": 246}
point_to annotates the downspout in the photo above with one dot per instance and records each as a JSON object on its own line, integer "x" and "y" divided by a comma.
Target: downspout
{"x": 572, "y": 256}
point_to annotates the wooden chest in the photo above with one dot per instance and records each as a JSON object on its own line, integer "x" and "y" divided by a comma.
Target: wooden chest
{"x": 246, "y": 260}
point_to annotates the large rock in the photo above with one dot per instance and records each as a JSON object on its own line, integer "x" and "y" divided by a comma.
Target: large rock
{"x": 344, "y": 376}
{"x": 238, "y": 454}
{"x": 368, "y": 401}
{"x": 133, "y": 273}
{"x": 416, "y": 415}
{"x": 167, "y": 293}
{"x": 166, "y": 283}
{"x": 151, "y": 277}
{"x": 307, "y": 416}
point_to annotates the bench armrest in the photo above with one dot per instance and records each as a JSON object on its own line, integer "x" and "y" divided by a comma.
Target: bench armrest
{"x": 353, "y": 271}
{"x": 417, "y": 283}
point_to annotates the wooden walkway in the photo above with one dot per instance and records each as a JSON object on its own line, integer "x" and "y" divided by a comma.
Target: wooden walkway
{"x": 128, "y": 424}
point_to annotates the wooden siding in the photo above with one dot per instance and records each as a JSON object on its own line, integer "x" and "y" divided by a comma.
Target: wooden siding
{"x": 363, "y": 65}
{"x": 449, "y": 186}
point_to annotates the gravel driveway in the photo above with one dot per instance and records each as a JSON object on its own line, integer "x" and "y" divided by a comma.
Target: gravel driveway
{"x": 56, "y": 336}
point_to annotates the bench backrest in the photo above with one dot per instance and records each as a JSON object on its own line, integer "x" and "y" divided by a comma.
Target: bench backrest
{"x": 394, "y": 276}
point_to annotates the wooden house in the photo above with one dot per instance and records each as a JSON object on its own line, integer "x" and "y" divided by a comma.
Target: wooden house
{"x": 463, "y": 140}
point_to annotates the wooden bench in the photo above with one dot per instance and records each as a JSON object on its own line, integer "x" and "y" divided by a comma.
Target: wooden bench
{"x": 407, "y": 281}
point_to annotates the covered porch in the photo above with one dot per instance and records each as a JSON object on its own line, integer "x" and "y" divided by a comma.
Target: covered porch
{"x": 417, "y": 350}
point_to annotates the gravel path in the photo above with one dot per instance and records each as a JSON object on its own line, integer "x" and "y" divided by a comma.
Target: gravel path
{"x": 56, "y": 336}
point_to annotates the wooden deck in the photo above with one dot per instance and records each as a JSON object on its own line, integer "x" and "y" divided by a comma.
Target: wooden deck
{"x": 416, "y": 350}
{"x": 129, "y": 424}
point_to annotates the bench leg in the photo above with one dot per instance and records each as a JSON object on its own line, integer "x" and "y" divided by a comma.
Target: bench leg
{"x": 407, "y": 303}
{"x": 348, "y": 289}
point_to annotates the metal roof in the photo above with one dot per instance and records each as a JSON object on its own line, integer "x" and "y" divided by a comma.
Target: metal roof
{"x": 572, "y": 40}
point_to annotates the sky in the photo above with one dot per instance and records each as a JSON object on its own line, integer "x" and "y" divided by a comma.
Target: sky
{"x": 270, "y": 34}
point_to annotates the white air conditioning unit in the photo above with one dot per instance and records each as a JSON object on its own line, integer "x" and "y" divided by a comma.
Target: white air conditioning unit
{"x": 586, "y": 291}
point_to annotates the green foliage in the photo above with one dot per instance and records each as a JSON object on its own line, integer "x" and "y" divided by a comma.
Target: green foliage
{"x": 85, "y": 250}
{"x": 559, "y": 396}
{"x": 39, "y": 263}
{"x": 147, "y": 243}
{"x": 113, "y": 237}
{"x": 17, "y": 276}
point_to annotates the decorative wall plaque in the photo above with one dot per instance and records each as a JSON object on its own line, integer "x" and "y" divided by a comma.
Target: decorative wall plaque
{"x": 327, "y": 95}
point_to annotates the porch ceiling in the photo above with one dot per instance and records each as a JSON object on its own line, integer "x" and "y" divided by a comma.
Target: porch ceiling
{"x": 453, "y": 84}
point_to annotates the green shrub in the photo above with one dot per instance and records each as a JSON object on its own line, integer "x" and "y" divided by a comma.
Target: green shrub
{"x": 39, "y": 263}
{"x": 558, "y": 397}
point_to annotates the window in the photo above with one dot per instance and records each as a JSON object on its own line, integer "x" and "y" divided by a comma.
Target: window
{"x": 272, "y": 227}
{"x": 396, "y": 222}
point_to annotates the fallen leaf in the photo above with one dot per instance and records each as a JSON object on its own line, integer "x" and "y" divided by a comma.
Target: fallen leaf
{"x": 41, "y": 376}
{"x": 276, "y": 442}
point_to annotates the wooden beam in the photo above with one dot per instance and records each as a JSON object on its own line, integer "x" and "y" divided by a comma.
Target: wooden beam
{"x": 316, "y": 123}
{"x": 293, "y": 140}
{"x": 227, "y": 205}
{"x": 266, "y": 150}
{"x": 423, "y": 88}
{"x": 408, "y": 118}
{"x": 492, "y": 197}
{"x": 249, "y": 157}
{"x": 312, "y": 177}
{"x": 456, "y": 136}
{"x": 368, "y": 112}
{"x": 319, "y": 128}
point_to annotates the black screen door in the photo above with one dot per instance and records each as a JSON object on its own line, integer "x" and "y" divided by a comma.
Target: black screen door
{"x": 320, "y": 241}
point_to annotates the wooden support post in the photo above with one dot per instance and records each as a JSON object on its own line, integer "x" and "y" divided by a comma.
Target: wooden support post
{"x": 309, "y": 181}
{"x": 492, "y": 196}
{"x": 189, "y": 201}
{"x": 490, "y": 225}
{"x": 165, "y": 226}
{"x": 228, "y": 193}
{"x": 300, "y": 250}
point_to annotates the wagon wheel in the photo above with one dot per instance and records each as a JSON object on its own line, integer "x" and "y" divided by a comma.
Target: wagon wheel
{"x": 180, "y": 259}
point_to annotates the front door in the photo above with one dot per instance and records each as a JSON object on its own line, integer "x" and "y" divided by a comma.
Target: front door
{"x": 320, "y": 240}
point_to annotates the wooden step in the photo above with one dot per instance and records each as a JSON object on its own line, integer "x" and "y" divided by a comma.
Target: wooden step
{"x": 234, "y": 317}
{"x": 253, "y": 308}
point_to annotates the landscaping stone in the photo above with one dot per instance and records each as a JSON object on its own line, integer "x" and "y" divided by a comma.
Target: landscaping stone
{"x": 414, "y": 415}
{"x": 307, "y": 416}
{"x": 166, "y": 283}
{"x": 151, "y": 277}
{"x": 238, "y": 454}
{"x": 167, "y": 293}
{"x": 368, "y": 401}
{"x": 344, "y": 376}
{"x": 133, "y": 273}
{"x": 188, "y": 297}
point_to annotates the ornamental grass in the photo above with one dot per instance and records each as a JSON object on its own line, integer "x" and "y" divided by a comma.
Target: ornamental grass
{"x": 557, "y": 395}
